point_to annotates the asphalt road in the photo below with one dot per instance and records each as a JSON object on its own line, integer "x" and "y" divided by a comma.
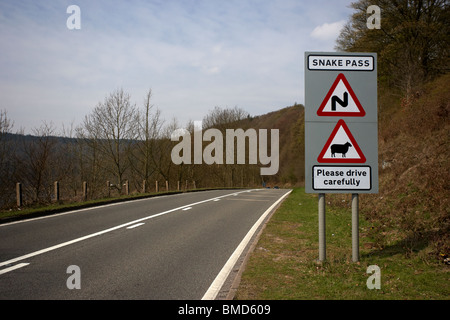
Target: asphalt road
{"x": 168, "y": 247}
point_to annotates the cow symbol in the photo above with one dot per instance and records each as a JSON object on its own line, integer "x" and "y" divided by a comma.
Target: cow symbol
{"x": 340, "y": 148}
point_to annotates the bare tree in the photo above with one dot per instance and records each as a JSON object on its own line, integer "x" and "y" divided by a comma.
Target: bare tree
{"x": 223, "y": 119}
{"x": 112, "y": 128}
{"x": 7, "y": 151}
{"x": 35, "y": 160}
{"x": 163, "y": 145}
{"x": 90, "y": 165}
{"x": 149, "y": 126}
{"x": 67, "y": 170}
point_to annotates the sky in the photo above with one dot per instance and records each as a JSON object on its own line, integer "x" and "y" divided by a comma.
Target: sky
{"x": 193, "y": 54}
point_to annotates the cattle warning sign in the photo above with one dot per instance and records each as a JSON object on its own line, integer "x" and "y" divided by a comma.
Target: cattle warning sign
{"x": 341, "y": 134}
{"x": 341, "y": 147}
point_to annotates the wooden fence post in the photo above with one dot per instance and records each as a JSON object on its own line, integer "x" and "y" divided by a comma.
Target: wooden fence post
{"x": 167, "y": 185}
{"x": 19, "y": 194}
{"x": 127, "y": 187}
{"x": 156, "y": 186}
{"x": 56, "y": 191}
{"x": 85, "y": 190}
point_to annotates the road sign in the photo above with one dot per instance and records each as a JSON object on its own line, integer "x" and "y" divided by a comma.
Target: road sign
{"x": 342, "y": 178}
{"x": 341, "y": 121}
{"x": 333, "y": 61}
{"x": 341, "y": 100}
{"x": 341, "y": 147}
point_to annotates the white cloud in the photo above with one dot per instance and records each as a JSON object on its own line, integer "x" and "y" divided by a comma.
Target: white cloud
{"x": 328, "y": 31}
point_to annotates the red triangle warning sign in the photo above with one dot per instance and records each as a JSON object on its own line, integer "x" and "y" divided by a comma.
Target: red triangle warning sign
{"x": 341, "y": 101}
{"x": 341, "y": 147}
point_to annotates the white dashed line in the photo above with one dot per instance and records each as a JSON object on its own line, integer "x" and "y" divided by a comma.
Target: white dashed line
{"x": 128, "y": 224}
{"x": 17, "y": 266}
{"x": 135, "y": 225}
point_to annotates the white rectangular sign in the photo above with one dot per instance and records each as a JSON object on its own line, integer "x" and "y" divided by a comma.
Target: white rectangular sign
{"x": 340, "y": 63}
{"x": 342, "y": 178}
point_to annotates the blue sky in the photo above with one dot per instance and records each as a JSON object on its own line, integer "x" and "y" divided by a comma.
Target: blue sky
{"x": 193, "y": 54}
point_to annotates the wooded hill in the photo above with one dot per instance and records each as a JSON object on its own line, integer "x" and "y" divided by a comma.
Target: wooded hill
{"x": 37, "y": 161}
{"x": 411, "y": 211}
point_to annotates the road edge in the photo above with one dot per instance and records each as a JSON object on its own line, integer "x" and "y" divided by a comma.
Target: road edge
{"x": 228, "y": 288}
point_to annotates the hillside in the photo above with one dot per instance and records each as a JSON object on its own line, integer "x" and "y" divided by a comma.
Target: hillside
{"x": 412, "y": 210}
{"x": 415, "y": 169}
{"x": 290, "y": 122}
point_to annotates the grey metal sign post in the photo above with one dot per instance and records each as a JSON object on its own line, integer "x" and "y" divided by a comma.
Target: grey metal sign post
{"x": 341, "y": 131}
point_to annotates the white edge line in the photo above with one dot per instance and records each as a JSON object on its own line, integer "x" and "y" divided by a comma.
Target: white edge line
{"x": 218, "y": 282}
{"x": 35, "y": 253}
{"x": 17, "y": 266}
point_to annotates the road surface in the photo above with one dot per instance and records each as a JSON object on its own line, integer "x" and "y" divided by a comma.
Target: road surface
{"x": 168, "y": 247}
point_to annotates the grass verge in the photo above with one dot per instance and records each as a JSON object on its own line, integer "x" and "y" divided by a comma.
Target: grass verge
{"x": 284, "y": 265}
